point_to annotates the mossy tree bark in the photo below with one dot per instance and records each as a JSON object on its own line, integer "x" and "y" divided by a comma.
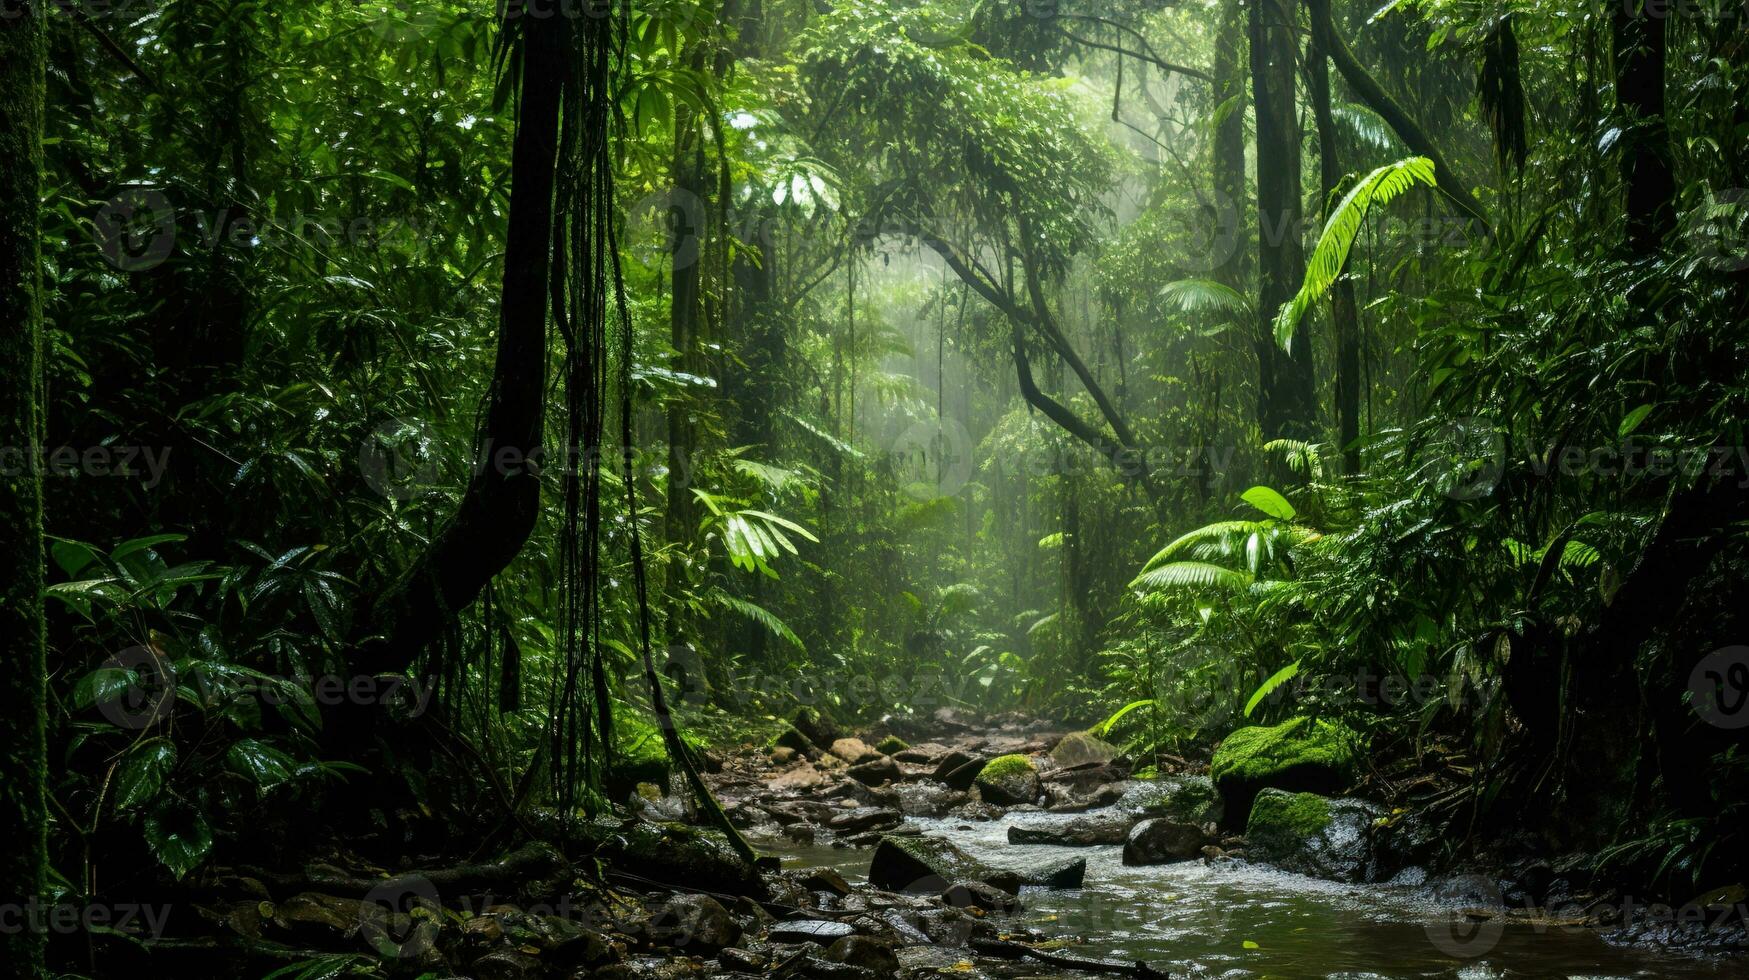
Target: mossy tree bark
{"x": 23, "y": 702}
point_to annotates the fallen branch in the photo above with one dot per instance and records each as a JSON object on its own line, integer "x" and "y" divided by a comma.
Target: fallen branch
{"x": 1014, "y": 951}
{"x": 533, "y": 862}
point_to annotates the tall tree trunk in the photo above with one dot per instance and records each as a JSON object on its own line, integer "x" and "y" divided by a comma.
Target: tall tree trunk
{"x": 1640, "y": 54}
{"x": 1344, "y": 310}
{"x": 1228, "y": 158}
{"x": 23, "y": 698}
{"x": 687, "y": 211}
{"x": 498, "y": 511}
{"x": 1286, "y": 403}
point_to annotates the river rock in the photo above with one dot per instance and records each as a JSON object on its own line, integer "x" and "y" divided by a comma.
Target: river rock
{"x": 930, "y": 864}
{"x": 1089, "y": 831}
{"x": 827, "y": 880}
{"x": 695, "y": 923}
{"x": 1187, "y": 799}
{"x": 1163, "y": 840}
{"x": 930, "y": 799}
{"x": 1008, "y": 780}
{"x": 854, "y": 750}
{"x": 865, "y": 951}
{"x": 801, "y": 779}
{"x": 979, "y": 895}
{"x": 810, "y": 931}
{"x": 864, "y": 818}
{"x": 1082, "y": 749}
{"x": 1312, "y": 835}
{"x": 742, "y": 961}
{"x": 926, "y": 753}
{"x": 879, "y": 771}
{"x": 945, "y": 765}
{"x": 507, "y": 964}
{"x": 1299, "y": 755}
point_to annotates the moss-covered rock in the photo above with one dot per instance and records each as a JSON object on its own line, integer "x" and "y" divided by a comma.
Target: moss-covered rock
{"x": 1313, "y": 835}
{"x": 1008, "y": 780}
{"x": 892, "y": 745}
{"x": 677, "y": 855}
{"x": 1083, "y": 749}
{"x": 1187, "y": 799}
{"x": 819, "y": 728}
{"x": 1299, "y": 755}
{"x": 641, "y": 757}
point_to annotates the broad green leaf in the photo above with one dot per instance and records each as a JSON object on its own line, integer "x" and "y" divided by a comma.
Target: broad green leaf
{"x": 142, "y": 773}
{"x": 1270, "y": 502}
{"x": 265, "y": 766}
{"x": 179, "y": 838}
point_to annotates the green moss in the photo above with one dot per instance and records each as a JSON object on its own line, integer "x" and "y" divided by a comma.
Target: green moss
{"x": 892, "y": 744}
{"x": 640, "y": 756}
{"x": 1279, "y": 816}
{"x": 1146, "y": 772}
{"x": 1256, "y": 754}
{"x": 1004, "y": 766}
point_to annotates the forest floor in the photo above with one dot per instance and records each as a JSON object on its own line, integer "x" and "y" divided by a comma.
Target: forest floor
{"x": 654, "y": 898}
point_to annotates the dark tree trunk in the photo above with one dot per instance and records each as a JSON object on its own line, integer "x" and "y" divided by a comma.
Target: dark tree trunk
{"x": 1650, "y": 188}
{"x": 498, "y": 511}
{"x": 1344, "y": 310}
{"x": 23, "y": 698}
{"x": 1286, "y": 403}
{"x": 1233, "y": 268}
{"x": 687, "y": 212}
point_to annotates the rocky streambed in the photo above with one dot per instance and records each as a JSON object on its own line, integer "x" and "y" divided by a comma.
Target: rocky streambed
{"x": 954, "y": 850}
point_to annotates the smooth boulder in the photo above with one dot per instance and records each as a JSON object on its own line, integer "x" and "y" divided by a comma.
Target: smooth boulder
{"x": 1083, "y": 749}
{"x": 1163, "y": 840}
{"x": 929, "y": 865}
{"x": 1093, "y": 830}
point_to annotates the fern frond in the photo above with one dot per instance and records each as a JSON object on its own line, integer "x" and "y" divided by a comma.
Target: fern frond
{"x": 759, "y": 615}
{"x": 1204, "y": 296}
{"x": 1220, "y": 532}
{"x": 1331, "y": 256}
{"x": 1185, "y": 575}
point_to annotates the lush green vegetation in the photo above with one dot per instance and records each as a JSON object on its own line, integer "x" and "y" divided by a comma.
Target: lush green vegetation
{"x": 427, "y": 406}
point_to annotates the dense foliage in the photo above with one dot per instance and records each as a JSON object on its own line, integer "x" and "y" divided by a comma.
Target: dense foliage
{"x": 899, "y": 355}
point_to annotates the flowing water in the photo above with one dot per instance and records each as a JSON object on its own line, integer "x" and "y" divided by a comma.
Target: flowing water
{"x": 1234, "y": 920}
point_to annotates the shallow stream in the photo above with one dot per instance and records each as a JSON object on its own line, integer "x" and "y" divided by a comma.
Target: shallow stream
{"x": 1235, "y": 920}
